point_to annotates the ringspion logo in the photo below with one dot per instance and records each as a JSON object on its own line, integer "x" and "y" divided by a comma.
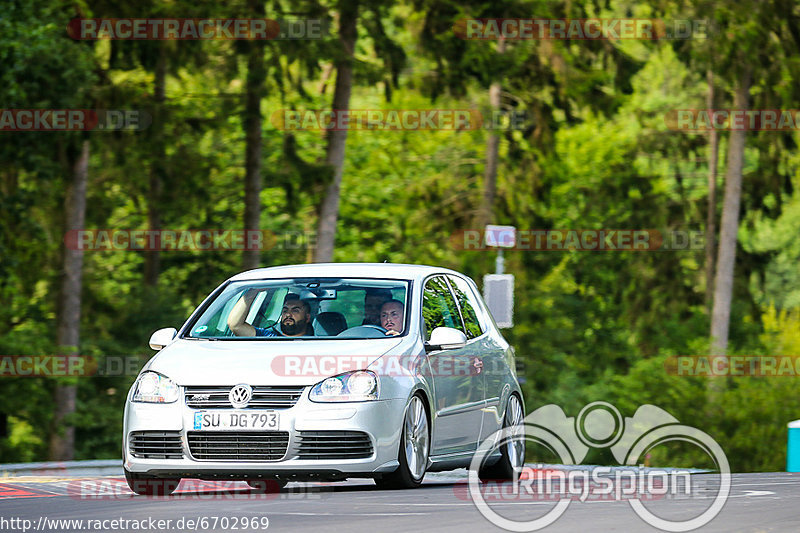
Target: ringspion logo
{"x": 539, "y": 483}
{"x": 600, "y": 425}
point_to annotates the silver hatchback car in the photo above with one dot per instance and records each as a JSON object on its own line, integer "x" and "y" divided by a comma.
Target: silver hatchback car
{"x": 325, "y": 372}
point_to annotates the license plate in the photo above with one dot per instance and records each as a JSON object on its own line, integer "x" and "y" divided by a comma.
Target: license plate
{"x": 235, "y": 420}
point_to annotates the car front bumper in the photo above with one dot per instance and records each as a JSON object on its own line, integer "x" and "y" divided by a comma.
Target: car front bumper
{"x": 380, "y": 420}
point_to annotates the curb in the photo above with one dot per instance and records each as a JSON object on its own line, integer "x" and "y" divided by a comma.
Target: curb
{"x": 102, "y": 467}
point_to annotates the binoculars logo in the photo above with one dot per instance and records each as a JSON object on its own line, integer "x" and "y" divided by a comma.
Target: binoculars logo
{"x": 600, "y": 425}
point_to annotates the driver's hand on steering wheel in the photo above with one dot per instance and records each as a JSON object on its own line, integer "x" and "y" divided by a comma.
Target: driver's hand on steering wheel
{"x": 392, "y": 332}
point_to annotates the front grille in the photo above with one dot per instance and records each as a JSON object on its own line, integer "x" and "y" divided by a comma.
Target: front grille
{"x": 238, "y": 445}
{"x": 263, "y": 397}
{"x": 333, "y": 445}
{"x": 156, "y": 444}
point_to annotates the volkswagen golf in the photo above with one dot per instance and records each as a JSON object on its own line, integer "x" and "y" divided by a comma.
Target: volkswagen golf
{"x": 325, "y": 372}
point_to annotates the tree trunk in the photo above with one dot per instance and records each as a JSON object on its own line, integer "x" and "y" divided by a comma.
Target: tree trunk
{"x": 327, "y": 70}
{"x": 256, "y": 73}
{"x": 62, "y": 436}
{"x": 726, "y": 257}
{"x": 152, "y": 258}
{"x": 492, "y": 148}
{"x": 337, "y": 140}
{"x": 711, "y": 230}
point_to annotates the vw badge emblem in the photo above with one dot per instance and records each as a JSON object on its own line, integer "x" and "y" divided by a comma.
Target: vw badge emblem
{"x": 240, "y": 395}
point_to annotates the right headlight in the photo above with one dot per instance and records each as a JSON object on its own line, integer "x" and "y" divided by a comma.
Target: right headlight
{"x": 152, "y": 387}
{"x": 357, "y": 386}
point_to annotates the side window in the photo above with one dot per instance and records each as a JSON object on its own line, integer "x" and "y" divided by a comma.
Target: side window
{"x": 466, "y": 300}
{"x": 438, "y": 307}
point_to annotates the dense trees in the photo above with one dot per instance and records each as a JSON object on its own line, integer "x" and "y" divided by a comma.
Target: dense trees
{"x": 594, "y": 151}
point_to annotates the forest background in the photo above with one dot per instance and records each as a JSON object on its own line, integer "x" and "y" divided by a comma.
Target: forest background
{"x": 578, "y": 138}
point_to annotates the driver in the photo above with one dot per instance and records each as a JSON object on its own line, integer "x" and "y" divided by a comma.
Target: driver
{"x": 392, "y": 317}
{"x": 295, "y": 318}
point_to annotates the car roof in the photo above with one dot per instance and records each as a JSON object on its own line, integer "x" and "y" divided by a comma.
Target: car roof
{"x": 344, "y": 270}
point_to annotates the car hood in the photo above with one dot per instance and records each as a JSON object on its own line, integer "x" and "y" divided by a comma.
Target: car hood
{"x": 301, "y": 362}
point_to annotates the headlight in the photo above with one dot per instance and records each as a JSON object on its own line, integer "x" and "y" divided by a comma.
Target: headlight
{"x": 358, "y": 386}
{"x": 152, "y": 387}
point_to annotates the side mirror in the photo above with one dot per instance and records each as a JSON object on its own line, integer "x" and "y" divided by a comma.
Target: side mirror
{"x": 446, "y": 339}
{"x": 162, "y": 337}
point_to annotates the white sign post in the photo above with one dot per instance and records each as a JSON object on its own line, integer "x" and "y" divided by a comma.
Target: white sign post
{"x": 498, "y": 288}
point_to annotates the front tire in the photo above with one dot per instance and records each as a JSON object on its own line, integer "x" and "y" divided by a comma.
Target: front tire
{"x": 414, "y": 449}
{"x": 145, "y": 485}
{"x": 513, "y": 450}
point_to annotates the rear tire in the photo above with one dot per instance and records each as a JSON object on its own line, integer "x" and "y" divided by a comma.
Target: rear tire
{"x": 512, "y": 452}
{"x": 414, "y": 449}
{"x": 145, "y": 485}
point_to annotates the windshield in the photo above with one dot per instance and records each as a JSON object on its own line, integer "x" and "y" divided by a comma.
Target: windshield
{"x": 307, "y": 308}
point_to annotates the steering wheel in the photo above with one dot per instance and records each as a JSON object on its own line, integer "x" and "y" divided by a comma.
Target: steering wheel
{"x": 365, "y": 330}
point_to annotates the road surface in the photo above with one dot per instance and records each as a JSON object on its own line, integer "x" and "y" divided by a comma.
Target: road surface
{"x": 757, "y": 502}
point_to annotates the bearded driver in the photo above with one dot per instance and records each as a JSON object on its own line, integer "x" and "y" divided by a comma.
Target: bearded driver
{"x": 295, "y": 318}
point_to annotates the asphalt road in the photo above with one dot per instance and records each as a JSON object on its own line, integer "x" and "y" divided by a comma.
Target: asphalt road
{"x": 757, "y": 502}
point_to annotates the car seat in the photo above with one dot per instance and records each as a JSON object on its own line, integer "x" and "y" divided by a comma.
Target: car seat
{"x": 329, "y": 323}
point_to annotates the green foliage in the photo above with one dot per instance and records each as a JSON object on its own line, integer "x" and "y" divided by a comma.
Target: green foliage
{"x": 594, "y": 152}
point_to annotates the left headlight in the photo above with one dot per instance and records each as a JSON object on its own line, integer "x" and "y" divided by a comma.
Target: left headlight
{"x": 152, "y": 387}
{"x": 358, "y": 386}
